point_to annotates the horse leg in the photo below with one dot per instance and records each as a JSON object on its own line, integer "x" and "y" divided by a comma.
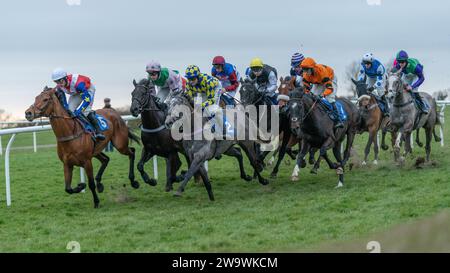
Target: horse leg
{"x": 300, "y": 160}
{"x": 206, "y": 182}
{"x": 68, "y": 172}
{"x": 90, "y": 174}
{"x": 337, "y": 152}
{"x": 195, "y": 165}
{"x": 281, "y": 154}
{"x": 255, "y": 160}
{"x": 395, "y": 140}
{"x": 104, "y": 159}
{"x": 437, "y": 138}
{"x": 383, "y": 139}
{"x": 145, "y": 156}
{"x": 236, "y": 152}
{"x": 428, "y": 135}
{"x": 420, "y": 144}
{"x": 372, "y": 135}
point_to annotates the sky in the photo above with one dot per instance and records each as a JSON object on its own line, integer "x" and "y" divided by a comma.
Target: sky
{"x": 111, "y": 41}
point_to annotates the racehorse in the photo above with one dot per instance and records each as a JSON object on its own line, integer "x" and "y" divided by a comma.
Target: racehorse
{"x": 310, "y": 121}
{"x": 199, "y": 151}
{"x": 371, "y": 118}
{"x": 405, "y": 117}
{"x": 76, "y": 147}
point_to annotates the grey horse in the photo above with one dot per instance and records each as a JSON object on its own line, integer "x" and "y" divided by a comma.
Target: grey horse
{"x": 200, "y": 151}
{"x": 405, "y": 117}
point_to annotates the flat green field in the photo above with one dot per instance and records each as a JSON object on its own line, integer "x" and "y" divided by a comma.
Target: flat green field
{"x": 246, "y": 216}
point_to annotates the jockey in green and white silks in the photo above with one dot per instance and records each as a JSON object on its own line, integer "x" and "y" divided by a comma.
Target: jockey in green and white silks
{"x": 164, "y": 79}
{"x": 412, "y": 76}
{"x": 375, "y": 74}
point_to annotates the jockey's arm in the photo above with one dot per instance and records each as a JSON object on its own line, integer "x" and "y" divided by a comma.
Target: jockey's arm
{"x": 272, "y": 85}
{"x": 85, "y": 98}
{"x": 419, "y": 72}
{"x": 380, "y": 77}
{"x": 234, "y": 82}
{"x": 307, "y": 85}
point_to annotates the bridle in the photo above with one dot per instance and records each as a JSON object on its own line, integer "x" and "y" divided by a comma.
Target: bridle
{"x": 300, "y": 100}
{"x": 143, "y": 104}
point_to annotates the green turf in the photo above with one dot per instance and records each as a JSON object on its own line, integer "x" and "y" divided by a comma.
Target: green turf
{"x": 283, "y": 216}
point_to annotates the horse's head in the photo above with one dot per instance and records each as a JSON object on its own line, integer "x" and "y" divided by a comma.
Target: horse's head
{"x": 249, "y": 93}
{"x": 361, "y": 86}
{"x": 179, "y": 102}
{"x": 296, "y": 108}
{"x": 43, "y": 106}
{"x": 394, "y": 84}
{"x": 142, "y": 97}
{"x": 286, "y": 85}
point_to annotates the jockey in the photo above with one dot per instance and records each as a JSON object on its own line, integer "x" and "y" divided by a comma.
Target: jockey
{"x": 81, "y": 92}
{"x": 227, "y": 75}
{"x": 296, "y": 69}
{"x": 320, "y": 80}
{"x": 412, "y": 76}
{"x": 375, "y": 73}
{"x": 209, "y": 88}
{"x": 165, "y": 79}
{"x": 265, "y": 76}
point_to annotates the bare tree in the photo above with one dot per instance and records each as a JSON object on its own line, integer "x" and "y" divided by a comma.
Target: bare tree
{"x": 4, "y": 116}
{"x": 441, "y": 94}
{"x": 351, "y": 72}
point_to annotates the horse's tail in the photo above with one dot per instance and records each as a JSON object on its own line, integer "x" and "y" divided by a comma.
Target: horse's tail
{"x": 133, "y": 137}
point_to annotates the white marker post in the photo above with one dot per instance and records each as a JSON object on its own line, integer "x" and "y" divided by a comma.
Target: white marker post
{"x": 8, "y": 178}
{"x": 155, "y": 167}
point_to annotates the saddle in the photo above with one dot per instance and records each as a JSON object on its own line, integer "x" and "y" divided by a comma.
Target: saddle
{"x": 330, "y": 111}
{"x": 89, "y": 128}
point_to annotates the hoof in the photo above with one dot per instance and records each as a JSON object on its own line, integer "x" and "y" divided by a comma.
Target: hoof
{"x": 69, "y": 191}
{"x": 247, "y": 178}
{"x": 135, "y": 184}
{"x": 311, "y": 161}
{"x": 303, "y": 164}
{"x": 420, "y": 144}
{"x": 313, "y": 171}
{"x": 178, "y": 178}
{"x": 294, "y": 178}
{"x": 96, "y": 205}
{"x": 273, "y": 175}
{"x": 375, "y": 162}
{"x": 384, "y": 147}
{"x": 178, "y": 194}
{"x": 264, "y": 181}
{"x": 151, "y": 182}
{"x": 169, "y": 188}
{"x": 364, "y": 163}
{"x": 339, "y": 185}
{"x": 100, "y": 187}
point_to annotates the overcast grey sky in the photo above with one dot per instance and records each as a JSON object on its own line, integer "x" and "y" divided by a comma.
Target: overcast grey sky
{"x": 111, "y": 41}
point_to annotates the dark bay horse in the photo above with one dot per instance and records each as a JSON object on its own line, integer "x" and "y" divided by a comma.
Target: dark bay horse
{"x": 200, "y": 150}
{"x": 76, "y": 147}
{"x": 310, "y": 121}
{"x": 157, "y": 139}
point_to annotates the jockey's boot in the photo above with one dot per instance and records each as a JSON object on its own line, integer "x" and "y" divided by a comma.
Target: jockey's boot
{"x": 94, "y": 122}
{"x": 339, "y": 123}
{"x": 422, "y": 106}
{"x": 386, "y": 107}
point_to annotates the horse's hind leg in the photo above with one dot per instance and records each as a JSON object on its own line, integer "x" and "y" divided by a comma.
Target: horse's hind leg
{"x": 90, "y": 174}
{"x": 281, "y": 153}
{"x": 236, "y": 152}
{"x": 145, "y": 156}
{"x": 383, "y": 139}
{"x": 196, "y": 163}
{"x": 428, "y": 135}
{"x": 104, "y": 159}
{"x": 255, "y": 161}
{"x": 420, "y": 144}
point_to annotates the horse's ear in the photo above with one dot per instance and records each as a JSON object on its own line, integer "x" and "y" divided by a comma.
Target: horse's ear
{"x": 354, "y": 81}
{"x": 241, "y": 80}
{"x": 45, "y": 88}
{"x": 365, "y": 77}
{"x": 134, "y": 82}
{"x": 281, "y": 79}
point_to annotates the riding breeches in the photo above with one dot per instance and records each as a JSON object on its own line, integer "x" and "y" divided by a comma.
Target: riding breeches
{"x": 75, "y": 101}
{"x": 378, "y": 91}
{"x": 318, "y": 89}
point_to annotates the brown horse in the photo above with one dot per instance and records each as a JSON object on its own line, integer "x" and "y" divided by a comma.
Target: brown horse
{"x": 372, "y": 118}
{"x": 76, "y": 147}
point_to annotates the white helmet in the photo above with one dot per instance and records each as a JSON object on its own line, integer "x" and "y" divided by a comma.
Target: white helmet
{"x": 153, "y": 66}
{"x": 368, "y": 57}
{"x": 58, "y": 74}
